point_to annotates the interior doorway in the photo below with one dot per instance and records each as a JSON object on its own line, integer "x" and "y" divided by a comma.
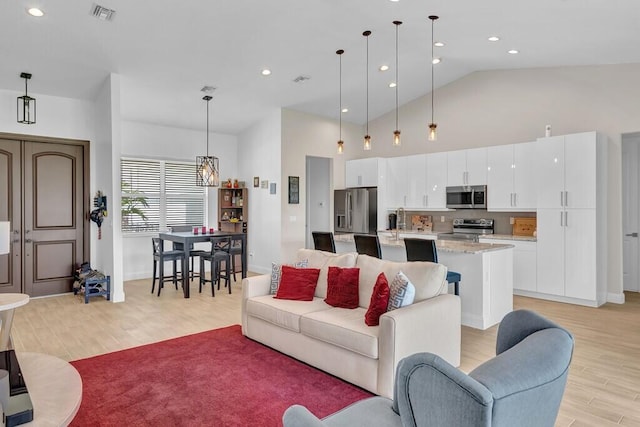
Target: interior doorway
{"x": 44, "y": 197}
{"x": 631, "y": 211}
{"x": 318, "y": 196}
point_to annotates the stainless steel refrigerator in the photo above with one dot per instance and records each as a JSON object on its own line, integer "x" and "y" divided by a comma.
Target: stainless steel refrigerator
{"x": 356, "y": 210}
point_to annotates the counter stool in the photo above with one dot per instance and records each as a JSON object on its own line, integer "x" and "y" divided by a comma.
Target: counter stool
{"x": 219, "y": 253}
{"x": 235, "y": 249}
{"x": 177, "y": 246}
{"x": 425, "y": 250}
{"x": 161, "y": 256}
{"x": 367, "y": 244}
{"x": 323, "y": 241}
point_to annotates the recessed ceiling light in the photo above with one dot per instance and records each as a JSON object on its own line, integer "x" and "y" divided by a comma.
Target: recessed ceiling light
{"x": 395, "y": 1}
{"x": 513, "y": 51}
{"x": 436, "y": 60}
{"x": 383, "y": 68}
{"x": 438, "y": 44}
{"x": 345, "y": 110}
{"x": 34, "y": 11}
{"x": 493, "y": 38}
{"x": 266, "y": 72}
{"x": 392, "y": 84}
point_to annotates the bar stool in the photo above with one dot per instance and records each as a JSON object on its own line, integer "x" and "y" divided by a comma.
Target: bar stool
{"x": 161, "y": 256}
{"x": 323, "y": 241}
{"x": 368, "y": 244}
{"x": 177, "y": 246}
{"x": 425, "y": 250}
{"x": 234, "y": 250}
{"x": 219, "y": 253}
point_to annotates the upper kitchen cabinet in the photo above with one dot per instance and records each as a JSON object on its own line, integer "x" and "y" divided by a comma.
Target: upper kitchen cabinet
{"x": 567, "y": 172}
{"x": 436, "y": 194}
{"x": 361, "y": 172}
{"x": 511, "y": 179}
{"x": 467, "y": 167}
{"x": 396, "y": 181}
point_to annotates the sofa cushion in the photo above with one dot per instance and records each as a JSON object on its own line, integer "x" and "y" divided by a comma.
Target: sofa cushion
{"x": 401, "y": 292}
{"x": 276, "y": 274}
{"x": 322, "y": 260}
{"x": 298, "y": 283}
{"x": 283, "y": 313}
{"x": 428, "y": 278}
{"x": 378, "y": 302}
{"x": 342, "y": 287}
{"x": 343, "y": 328}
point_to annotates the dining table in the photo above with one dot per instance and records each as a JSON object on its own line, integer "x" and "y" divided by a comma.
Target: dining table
{"x": 189, "y": 237}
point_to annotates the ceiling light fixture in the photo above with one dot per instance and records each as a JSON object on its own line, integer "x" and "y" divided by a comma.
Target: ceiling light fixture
{"x": 367, "y": 137}
{"x": 383, "y": 68}
{"x": 438, "y": 44}
{"x": 339, "y": 52}
{"x": 392, "y": 84}
{"x": 513, "y": 51}
{"x": 26, "y": 104}
{"x": 433, "y": 135}
{"x": 266, "y": 72}
{"x": 207, "y": 167}
{"x": 34, "y": 11}
{"x": 436, "y": 60}
{"x": 493, "y": 38}
{"x": 345, "y": 110}
{"x": 396, "y": 133}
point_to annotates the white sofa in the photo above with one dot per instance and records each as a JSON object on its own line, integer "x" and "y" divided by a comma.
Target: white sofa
{"x": 337, "y": 340}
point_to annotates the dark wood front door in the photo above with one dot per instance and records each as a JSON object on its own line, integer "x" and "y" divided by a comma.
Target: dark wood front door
{"x": 10, "y": 210}
{"x": 48, "y": 211}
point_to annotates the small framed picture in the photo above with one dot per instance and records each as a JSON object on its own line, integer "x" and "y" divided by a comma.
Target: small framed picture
{"x": 256, "y": 182}
{"x": 272, "y": 188}
{"x": 294, "y": 190}
{"x": 264, "y": 183}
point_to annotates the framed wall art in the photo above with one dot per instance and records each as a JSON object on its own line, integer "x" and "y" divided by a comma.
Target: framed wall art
{"x": 294, "y": 190}
{"x": 256, "y": 181}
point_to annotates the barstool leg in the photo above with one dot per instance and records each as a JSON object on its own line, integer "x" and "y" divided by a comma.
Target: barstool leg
{"x": 153, "y": 283}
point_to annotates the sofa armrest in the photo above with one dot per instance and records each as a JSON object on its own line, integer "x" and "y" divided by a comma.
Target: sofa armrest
{"x": 299, "y": 416}
{"x": 432, "y": 325}
{"x": 252, "y": 287}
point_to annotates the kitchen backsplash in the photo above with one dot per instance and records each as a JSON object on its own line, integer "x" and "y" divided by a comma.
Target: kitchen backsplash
{"x": 501, "y": 225}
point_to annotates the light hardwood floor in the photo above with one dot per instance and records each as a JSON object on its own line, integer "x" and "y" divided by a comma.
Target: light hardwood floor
{"x": 604, "y": 381}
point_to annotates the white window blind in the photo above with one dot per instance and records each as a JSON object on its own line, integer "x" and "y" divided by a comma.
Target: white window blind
{"x": 158, "y": 194}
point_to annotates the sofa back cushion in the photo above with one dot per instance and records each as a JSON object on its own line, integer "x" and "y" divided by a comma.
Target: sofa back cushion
{"x": 428, "y": 278}
{"x": 323, "y": 260}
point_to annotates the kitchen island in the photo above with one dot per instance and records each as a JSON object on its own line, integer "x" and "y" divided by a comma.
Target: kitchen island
{"x": 486, "y": 288}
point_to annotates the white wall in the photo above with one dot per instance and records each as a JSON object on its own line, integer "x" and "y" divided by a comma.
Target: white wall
{"x": 509, "y": 106}
{"x": 146, "y": 140}
{"x": 319, "y": 196}
{"x": 308, "y": 135}
{"x": 259, "y": 153}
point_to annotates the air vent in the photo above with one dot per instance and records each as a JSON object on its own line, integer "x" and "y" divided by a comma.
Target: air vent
{"x": 102, "y": 13}
{"x": 301, "y": 79}
{"x": 208, "y": 89}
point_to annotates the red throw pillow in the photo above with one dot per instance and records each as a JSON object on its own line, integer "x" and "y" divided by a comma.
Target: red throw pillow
{"x": 379, "y": 301}
{"x": 342, "y": 287}
{"x": 298, "y": 283}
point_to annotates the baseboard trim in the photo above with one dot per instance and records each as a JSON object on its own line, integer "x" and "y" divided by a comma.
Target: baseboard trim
{"x": 616, "y": 298}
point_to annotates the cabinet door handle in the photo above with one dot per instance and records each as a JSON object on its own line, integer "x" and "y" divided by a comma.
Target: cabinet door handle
{"x": 561, "y": 224}
{"x": 566, "y": 218}
{"x": 561, "y": 199}
{"x": 426, "y": 200}
{"x": 566, "y": 199}
{"x": 515, "y": 199}
{"x": 405, "y": 201}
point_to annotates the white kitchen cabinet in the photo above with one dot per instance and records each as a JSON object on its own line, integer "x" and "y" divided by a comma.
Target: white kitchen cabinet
{"x": 524, "y": 263}
{"x": 361, "y": 172}
{"x": 417, "y": 181}
{"x": 467, "y": 167}
{"x": 572, "y": 218}
{"x": 566, "y": 171}
{"x": 396, "y": 182}
{"x": 511, "y": 178}
{"x": 436, "y": 184}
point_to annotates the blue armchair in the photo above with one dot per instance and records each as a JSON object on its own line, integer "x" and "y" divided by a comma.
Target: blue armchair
{"x": 522, "y": 386}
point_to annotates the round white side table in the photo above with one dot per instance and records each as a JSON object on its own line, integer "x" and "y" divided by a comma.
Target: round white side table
{"x": 8, "y": 303}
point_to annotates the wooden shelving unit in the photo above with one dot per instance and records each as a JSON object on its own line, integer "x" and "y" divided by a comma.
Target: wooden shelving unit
{"x": 233, "y": 209}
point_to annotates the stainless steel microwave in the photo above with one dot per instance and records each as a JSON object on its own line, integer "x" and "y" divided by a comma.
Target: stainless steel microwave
{"x": 467, "y": 197}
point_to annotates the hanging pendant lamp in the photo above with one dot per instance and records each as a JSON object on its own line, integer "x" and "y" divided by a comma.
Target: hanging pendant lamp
{"x": 367, "y": 137}
{"x": 26, "y": 104}
{"x": 340, "y": 141}
{"x": 207, "y": 167}
{"x": 396, "y": 133}
{"x": 433, "y": 135}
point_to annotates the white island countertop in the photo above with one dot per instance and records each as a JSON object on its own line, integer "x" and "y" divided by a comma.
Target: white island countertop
{"x": 442, "y": 245}
{"x": 509, "y": 237}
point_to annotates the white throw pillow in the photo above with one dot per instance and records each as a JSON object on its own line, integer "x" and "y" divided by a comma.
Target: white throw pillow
{"x": 276, "y": 274}
{"x": 401, "y": 292}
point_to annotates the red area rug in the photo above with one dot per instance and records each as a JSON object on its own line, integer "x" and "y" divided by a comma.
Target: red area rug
{"x": 215, "y": 378}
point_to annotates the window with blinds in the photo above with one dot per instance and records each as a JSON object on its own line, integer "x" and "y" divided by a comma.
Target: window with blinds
{"x": 158, "y": 194}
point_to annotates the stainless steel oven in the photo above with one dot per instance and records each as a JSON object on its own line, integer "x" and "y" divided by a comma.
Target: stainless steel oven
{"x": 468, "y": 230}
{"x": 467, "y": 197}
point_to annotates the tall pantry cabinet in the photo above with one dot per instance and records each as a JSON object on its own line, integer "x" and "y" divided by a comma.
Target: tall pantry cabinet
{"x": 572, "y": 219}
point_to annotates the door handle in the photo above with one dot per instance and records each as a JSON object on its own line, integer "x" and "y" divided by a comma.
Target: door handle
{"x": 634, "y": 234}
{"x": 28, "y": 240}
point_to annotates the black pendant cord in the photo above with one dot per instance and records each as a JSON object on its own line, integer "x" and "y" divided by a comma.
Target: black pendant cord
{"x": 397, "y": 24}
{"x": 432, "y": 21}
{"x": 340, "y": 96}
{"x": 367, "y": 34}
{"x": 207, "y": 128}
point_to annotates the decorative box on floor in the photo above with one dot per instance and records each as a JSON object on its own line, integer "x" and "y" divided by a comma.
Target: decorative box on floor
{"x": 91, "y": 283}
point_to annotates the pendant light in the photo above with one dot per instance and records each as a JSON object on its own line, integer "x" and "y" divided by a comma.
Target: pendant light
{"x": 26, "y": 104}
{"x": 207, "y": 167}
{"x": 367, "y": 137}
{"x": 396, "y": 133}
{"x": 433, "y": 135}
{"x": 340, "y": 141}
